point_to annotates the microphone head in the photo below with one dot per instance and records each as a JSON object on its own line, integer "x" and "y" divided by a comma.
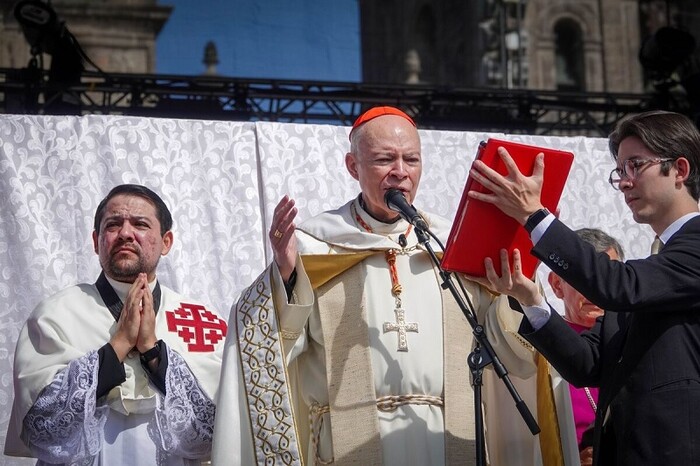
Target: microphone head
{"x": 396, "y": 201}
{"x": 390, "y": 198}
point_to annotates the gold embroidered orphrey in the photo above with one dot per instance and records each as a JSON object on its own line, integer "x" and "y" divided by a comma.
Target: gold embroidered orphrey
{"x": 265, "y": 377}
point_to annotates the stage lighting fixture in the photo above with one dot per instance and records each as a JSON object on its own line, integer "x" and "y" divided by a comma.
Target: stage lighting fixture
{"x": 46, "y": 34}
{"x": 665, "y": 50}
{"x": 40, "y": 25}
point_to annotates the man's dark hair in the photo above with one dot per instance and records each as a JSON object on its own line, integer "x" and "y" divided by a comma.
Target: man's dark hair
{"x": 162, "y": 212}
{"x": 601, "y": 241}
{"x": 667, "y": 134}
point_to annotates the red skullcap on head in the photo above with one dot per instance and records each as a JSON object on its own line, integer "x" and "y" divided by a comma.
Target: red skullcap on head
{"x": 375, "y": 112}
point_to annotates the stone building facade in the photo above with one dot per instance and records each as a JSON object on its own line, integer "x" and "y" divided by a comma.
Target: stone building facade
{"x": 567, "y": 45}
{"x": 583, "y": 45}
{"x": 117, "y": 35}
{"x": 558, "y": 45}
{"x": 420, "y": 41}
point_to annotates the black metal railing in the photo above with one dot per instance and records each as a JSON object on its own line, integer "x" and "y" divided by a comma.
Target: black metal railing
{"x": 513, "y": 111}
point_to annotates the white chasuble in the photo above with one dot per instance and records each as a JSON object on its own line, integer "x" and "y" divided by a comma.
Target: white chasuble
{"x": 508, "y": 438}
{"x": 396, "y": 408}
{"x": 134, "y": 423}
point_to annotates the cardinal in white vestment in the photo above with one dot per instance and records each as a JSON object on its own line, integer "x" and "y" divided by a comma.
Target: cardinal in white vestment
{"x": 350, "y": 351}
{"x": 125, "y": 370}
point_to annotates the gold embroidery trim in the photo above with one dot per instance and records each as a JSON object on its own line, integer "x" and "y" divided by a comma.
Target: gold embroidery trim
{"x": 287, "y": 335}
{"x": 265, "y": 378}
{"x": 514, "y": 333}
{"x": 522, "y": 341}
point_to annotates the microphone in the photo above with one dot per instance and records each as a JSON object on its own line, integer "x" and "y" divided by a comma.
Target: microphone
{"x": 396, "y": 201}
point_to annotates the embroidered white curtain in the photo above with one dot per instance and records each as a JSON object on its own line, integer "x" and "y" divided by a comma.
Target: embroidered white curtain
{"x": 221, "y": 181}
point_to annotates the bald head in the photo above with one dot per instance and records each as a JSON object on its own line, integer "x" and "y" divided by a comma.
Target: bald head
{"x": 385, "y": 153}
{"x": 376, "y": 112}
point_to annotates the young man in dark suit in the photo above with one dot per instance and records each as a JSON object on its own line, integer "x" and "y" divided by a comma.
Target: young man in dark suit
{"x": 644, "y": 353}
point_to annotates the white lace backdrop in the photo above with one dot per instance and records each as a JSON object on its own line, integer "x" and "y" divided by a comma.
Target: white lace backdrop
{"x": 221, "y": 181}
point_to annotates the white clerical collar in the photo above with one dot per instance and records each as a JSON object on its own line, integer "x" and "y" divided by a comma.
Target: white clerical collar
{"x": 381, "y": 228}
{"x": 675, "y": 226}
{"x": 341, "y": 229}
{"x": 122, "y": 289}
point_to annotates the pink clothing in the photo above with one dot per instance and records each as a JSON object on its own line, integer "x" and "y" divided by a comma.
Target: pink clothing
{"x": 584, "y": 414}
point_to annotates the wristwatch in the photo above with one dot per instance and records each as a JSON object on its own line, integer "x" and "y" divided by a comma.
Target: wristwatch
{"x": 535, "y": 218}
{"x": 151, "y": 354}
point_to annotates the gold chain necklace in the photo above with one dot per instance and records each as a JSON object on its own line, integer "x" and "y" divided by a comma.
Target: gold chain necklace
{"x": 589, "y": 395}
{"x": 590, "y": 399}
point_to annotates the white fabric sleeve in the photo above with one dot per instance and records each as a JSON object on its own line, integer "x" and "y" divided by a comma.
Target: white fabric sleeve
{"x": 541, "y": 228}
{"x": 64, "y": 425}
{"x": 293, "y": 316}
{"x": 183, "y": 423}
{"x": 538, "y": 315}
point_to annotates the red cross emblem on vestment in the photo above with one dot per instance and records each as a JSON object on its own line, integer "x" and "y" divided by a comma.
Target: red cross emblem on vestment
{"x": 199, "y": 328}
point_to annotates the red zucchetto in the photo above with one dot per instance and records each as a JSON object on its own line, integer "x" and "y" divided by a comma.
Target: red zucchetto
{"x": 375, "y": 112}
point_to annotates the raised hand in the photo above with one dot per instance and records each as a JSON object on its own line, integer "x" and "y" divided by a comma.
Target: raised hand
{"x": 128, "y": 327}
{"x": 282, "y": 239}
{"x": 513, "y": 283}
{"x": 147, "y": 330}
{"x": 517, "y": 195}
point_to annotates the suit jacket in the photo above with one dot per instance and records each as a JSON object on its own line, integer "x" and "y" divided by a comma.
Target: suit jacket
{"x": 644, "y": 353}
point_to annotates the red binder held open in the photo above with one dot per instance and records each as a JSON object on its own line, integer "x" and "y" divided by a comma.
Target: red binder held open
{"x": 481, "y": 230}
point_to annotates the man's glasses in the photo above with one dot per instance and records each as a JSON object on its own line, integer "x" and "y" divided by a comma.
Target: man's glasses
{"x": 630, "y": 169}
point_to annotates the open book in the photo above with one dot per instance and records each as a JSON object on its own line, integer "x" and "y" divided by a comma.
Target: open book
{"x": 481, "y": 230}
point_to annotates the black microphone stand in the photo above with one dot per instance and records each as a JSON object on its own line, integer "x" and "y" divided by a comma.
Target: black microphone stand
{"x": 481, "y": 356}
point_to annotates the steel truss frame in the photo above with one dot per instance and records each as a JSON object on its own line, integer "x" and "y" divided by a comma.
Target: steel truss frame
{"x": 513, "y": 111}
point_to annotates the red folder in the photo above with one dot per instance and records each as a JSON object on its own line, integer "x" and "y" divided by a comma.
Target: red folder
{"x": 481, "y": 230}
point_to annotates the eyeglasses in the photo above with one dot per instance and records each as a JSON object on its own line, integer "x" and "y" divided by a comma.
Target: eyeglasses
{"x": 630, "y": 169}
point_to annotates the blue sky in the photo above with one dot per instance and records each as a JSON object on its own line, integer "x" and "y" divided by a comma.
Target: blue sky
{"x": 297, "y": 39}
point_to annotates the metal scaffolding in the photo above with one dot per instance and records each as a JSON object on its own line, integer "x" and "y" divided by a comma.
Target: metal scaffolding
{"x": 30, "y": 91}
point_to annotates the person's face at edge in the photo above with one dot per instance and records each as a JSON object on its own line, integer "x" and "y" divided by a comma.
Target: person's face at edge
{"x": 129, "y": 240}
{"x": 577, "y": 308}
{"x": 652, "y": 197}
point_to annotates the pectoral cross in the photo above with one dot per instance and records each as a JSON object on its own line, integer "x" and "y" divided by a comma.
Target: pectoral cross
{"x": 401, "y": 326}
